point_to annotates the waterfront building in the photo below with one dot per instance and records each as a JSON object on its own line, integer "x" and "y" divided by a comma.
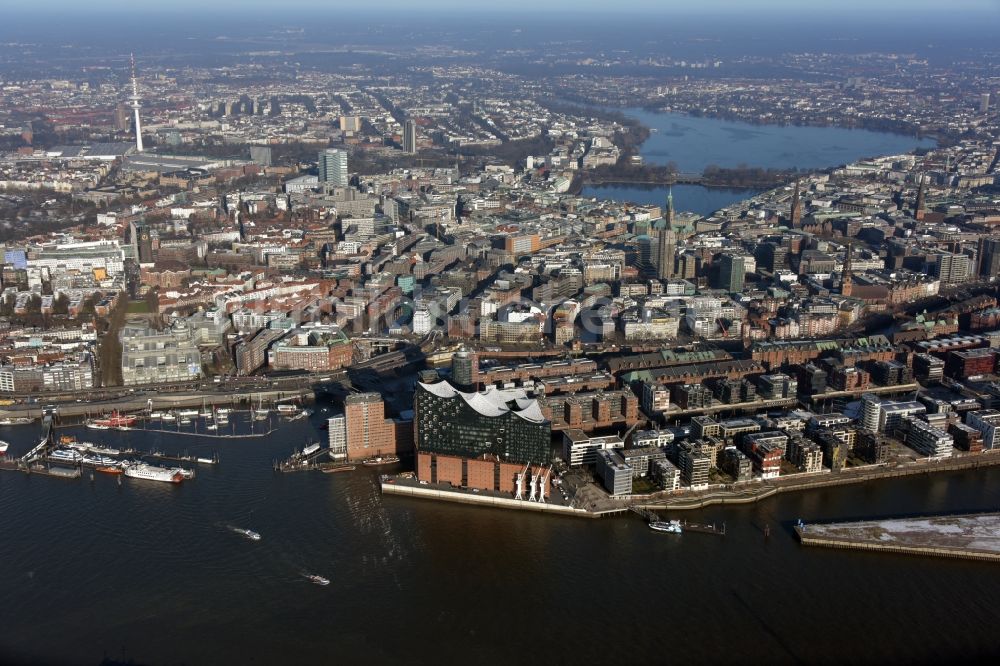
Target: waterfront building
{"x": 966, "y": 437}
{"x": 150, "y": 356}
{"x": 666, "y": 475}
{"x": 316, "y": 349}
{"x": 806, "y": 455}
{"x": 640, "y": 459}
{"x": 873, "y": 447}
{"x": 891, "y": 414}
{"x": 337, "y": 436}
{"x": 506, "y": 424}
{"x": 871, "y": 411}
{"x": 987, "y": 422}
{"x": 835, "y": 448}
{"x": 370, "y": 434}
{"x": 736, "y": 464}
{"x": 694, "y": 467}
{"x": 333, "y": 167}
{"x": 579, "y": 448}
{"x": 765, "y": 450}
{"x": 72, "y": 373}
{"x": 251, "y": 352}
{"x": 615, "y": 473}
{"x": 928, "y": 440}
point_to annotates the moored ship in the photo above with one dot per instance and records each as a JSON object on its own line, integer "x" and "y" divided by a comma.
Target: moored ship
{"x": 153, "y": 473}
{"x": 670, "y": 526}
{"x": 115, "y": 420}
{"x": 380, "y": 460}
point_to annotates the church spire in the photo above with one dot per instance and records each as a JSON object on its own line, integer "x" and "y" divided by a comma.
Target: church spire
{"x": 667, "y": 242}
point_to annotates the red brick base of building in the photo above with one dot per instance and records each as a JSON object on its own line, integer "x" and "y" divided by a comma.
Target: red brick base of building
{"x": 480, "y": 473}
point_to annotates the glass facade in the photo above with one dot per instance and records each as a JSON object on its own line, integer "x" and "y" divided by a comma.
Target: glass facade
{"x": 470, "y": 425}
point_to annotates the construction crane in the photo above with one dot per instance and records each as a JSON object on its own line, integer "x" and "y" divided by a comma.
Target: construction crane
{"x": 519, "y": 494}
{"x": 543, "y": 483}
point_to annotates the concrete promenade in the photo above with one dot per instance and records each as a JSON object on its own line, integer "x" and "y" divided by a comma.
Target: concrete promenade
{"x": 757, "y": 491}
{"x": 394, "y": 487}
{"x": 974, "y": 536}
{"x": 160, "y": 401}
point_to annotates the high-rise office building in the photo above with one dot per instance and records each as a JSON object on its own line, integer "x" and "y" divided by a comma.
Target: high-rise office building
{"x": 333, "y": 167}
{"x": 337, "y": 430}
{"x": 988, "y": 258}
{"x": 261, "y": 155}
{"x": 465, "y": 369}
{"x": 731, "y": 273}
{"x": 984, "y": 103}
{"x": 369, "y": 433}
{"x": 410, "y": 137}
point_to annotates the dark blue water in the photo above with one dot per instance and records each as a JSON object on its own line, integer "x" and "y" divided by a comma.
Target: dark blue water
{"x": 151, "y": 572}
{"x": 696, "y": 143}
{"x": 694, "y": 198}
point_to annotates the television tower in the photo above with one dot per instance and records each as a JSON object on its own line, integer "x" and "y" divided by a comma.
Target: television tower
{"x": 135, "y": 101}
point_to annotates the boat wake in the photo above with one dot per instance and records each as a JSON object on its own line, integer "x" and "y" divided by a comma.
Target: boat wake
{"x": 247, "y": 533}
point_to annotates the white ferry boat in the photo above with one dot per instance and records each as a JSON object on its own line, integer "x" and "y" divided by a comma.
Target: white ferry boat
{"x": 156, "y": 415}
{"x": 66, "y": 455}
{"x": 187, "y": 413}
{"x": 153, "y": 473}
{"x": 287, "y": 409}
{"x": 99, "y": 461}
{"x": 670, "y": 526}
{"x": 317, "y": 579}
{"x": 169, "y": 416}
{"x": 250, "y": 534}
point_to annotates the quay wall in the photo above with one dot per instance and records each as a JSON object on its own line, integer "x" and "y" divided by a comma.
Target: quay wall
{"x": 934, "y": 551}
{"x": 497, "y": 502}
{"x": 749, "y": 496}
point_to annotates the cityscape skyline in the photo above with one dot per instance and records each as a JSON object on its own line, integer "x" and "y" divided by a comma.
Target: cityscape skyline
{"x": 321, "y": 311}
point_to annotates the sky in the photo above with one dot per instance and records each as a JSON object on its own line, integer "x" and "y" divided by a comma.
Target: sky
{"x": 799, "y": 7}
